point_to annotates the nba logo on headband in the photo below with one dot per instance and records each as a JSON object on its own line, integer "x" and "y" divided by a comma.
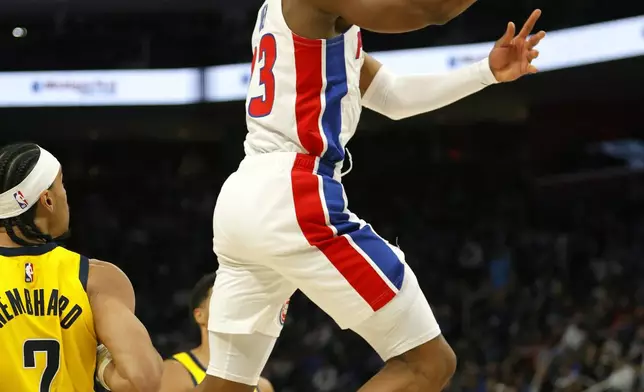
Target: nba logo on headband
{"x": 20, "y": 199}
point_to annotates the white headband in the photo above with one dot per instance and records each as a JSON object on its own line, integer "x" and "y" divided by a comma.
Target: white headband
{"x": 25, "y": 195}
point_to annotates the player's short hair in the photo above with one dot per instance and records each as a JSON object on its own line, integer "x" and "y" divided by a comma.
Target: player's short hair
{"x": 201, "y": 290}
{"x": 16, "y": 162}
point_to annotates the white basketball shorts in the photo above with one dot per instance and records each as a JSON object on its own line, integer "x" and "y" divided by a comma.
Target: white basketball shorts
{"x": 281, "y": 223}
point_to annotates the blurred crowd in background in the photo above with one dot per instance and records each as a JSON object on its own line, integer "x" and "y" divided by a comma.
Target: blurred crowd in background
{"x": 190, "y": 33}
{"x": 536, "y": 287}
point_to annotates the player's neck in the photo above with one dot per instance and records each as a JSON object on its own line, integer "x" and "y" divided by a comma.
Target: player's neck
{"x": 202, "y": 352}
{"x": 6, "y": 241}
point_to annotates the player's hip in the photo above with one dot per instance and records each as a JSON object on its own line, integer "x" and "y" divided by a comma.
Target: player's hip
{"x": 285, "y": 201}
{"x": 275, "y": 164}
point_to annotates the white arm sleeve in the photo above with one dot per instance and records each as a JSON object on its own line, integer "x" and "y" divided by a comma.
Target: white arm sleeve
{"x": 404, "y": 96}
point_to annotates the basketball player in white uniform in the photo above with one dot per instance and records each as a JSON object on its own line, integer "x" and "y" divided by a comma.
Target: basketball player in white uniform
{"x": 282, "y": 223}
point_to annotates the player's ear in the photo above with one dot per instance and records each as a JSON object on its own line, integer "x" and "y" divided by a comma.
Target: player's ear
{"x": 199, "y": 316}
{"x": 47, "y": 200}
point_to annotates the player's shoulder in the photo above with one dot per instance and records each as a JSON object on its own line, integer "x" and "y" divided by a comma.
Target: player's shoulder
{"x": 104, "y": 266}
{"x": 172, "y": 366}
{"x": 54, "y": 251}
{"x": 175, "y": 377}
{"x": 264, "y": 385}
{"x": 105, "y": 277}
{"x": 103, "y": 272}
{"x": 50, "y": 257}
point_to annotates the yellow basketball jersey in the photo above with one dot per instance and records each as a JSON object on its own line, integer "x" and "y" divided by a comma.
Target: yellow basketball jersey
{"x": 47, "y": 337}
{"x": 192, "y": 365}
{"x": 196, "y": 370}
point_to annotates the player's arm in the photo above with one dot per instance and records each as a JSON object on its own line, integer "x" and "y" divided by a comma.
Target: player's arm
{"x": 135, "y": 365}
{"x": 175, "y": 378}
{"x": 401, "y": 96}
{"x": 264, "y": 385}
{"x": 398, "y": 96}
{"x": 394, "y": 16}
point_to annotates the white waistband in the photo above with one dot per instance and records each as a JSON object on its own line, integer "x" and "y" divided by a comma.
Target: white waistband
{"x": 278, "y": 162}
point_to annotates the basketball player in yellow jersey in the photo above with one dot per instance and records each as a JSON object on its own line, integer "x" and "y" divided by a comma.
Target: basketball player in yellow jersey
{"x": 186, "y": 370}
{"x": 56, "y": 306}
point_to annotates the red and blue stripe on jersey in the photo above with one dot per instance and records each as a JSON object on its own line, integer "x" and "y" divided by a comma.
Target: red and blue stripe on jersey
{"x": 321, "y": 83}
{"x": 362, "y": 257}
{"x": 355, "y": 251}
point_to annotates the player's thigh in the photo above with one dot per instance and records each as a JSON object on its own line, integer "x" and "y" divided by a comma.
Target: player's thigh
{"x": 248, "y": 298}
{"x": 239, "y": 358}
{"x": 364, "y": 283}
{"x": 247, "y": 311}
{"x": 349, "y": 276}
{"x": 402, "y": 325}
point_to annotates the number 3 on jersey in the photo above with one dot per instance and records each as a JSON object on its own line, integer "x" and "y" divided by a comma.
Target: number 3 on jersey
{"x": 262, "y": 105}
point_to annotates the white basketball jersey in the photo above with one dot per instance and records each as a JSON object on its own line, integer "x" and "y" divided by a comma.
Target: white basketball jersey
{"x": 304, "y": 94}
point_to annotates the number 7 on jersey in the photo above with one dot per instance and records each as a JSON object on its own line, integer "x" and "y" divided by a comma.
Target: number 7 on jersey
{"x": 51, "y": 348}
{"x": 262, "y": 105}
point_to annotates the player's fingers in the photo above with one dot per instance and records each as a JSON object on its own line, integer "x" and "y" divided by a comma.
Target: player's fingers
{"x": 529, "y": 24}
{"x": 532, "y": 69}
{"x": 507, "y": 37}
{"x": 535, "y": 39}
{"x": 533, "y": 54}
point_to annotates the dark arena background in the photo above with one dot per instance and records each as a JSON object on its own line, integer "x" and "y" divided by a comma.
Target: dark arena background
{"x": 520, "y": 208}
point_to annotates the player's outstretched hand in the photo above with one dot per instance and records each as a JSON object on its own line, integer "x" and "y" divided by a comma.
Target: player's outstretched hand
{"x": 512, "y": 55}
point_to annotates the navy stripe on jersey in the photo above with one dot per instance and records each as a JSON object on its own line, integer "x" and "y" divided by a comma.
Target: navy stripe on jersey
{"x": 194, "y": 380}
{"x": 83, "y": 271}
{"x": 336, "y": 89}
{"x": 36, "y": 250}
{"x": 196, "y": 360}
